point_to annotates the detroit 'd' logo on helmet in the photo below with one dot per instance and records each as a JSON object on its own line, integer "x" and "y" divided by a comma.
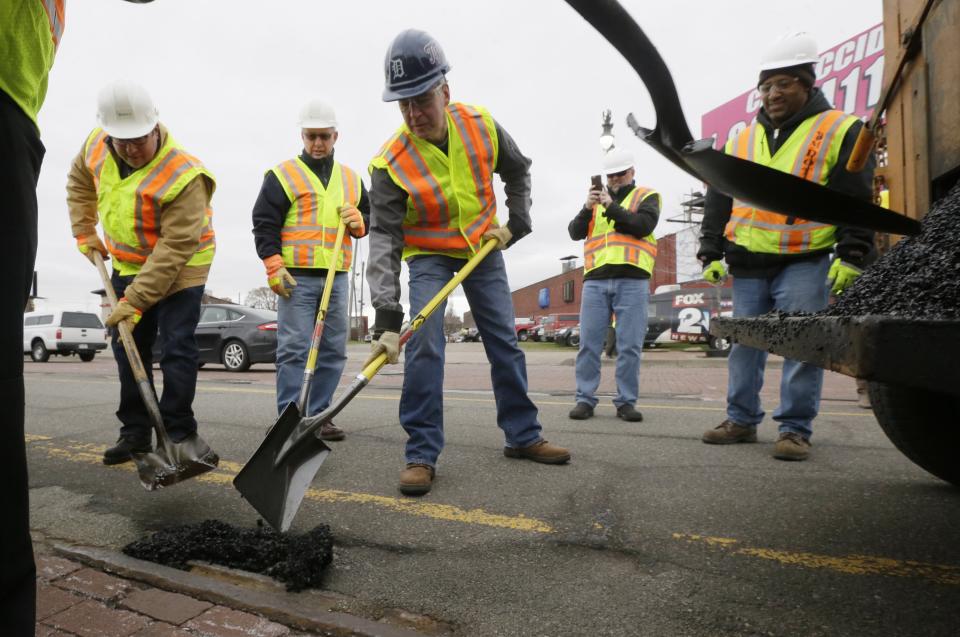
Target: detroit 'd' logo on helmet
{"x": 396, "y": 68}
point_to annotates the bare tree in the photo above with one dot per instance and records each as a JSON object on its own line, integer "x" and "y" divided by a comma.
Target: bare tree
{"x": 263, "y": 298}
{"x": 451, "y": 321}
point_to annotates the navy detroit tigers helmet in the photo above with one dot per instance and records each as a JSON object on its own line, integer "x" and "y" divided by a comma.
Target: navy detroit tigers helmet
{"x": 414, "y": 63}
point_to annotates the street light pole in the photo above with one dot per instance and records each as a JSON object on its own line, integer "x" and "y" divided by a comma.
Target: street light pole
{"x": 606, "y": 136}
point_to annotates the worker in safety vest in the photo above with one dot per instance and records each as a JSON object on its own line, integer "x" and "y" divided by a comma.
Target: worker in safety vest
{"x": 152, "y": 199}
{"x": 30, "y": 33}
{"x": 780, "y": 262}
{"x": 295, "y": 221}
{"x": 619, "y": 250}
{"x": 433, "y": 204}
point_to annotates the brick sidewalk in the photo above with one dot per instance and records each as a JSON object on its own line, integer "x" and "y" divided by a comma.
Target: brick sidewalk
{"x": 95, "y": 592}
{"x": 73, "y": 599}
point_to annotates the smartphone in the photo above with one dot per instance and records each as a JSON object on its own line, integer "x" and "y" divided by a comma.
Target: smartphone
{"x": 595, "y": 183}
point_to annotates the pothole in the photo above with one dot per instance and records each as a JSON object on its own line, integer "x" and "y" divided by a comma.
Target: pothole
{"x": 299, "y": 560}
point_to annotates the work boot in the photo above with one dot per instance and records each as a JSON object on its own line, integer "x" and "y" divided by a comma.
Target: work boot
{"x": 541, "y": 451}
{"x": 729, "y": 432}
{"x": 416, "y": 479}
{"x": 121, "y": 452}
{"x": 791, "y": 446}
{"x": 329, "y": 431}
{"x": 581, "y": 412}
{"x": 629, "y": 413}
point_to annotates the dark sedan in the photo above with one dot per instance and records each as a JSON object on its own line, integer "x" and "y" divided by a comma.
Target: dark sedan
{"x": 236, "y": 336}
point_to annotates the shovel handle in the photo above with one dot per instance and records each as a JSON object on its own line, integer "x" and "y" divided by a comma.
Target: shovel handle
{"x": 133, "y": 357}
{"x": 376, "y": 364}
{"x": 861, "y": 150}
{"x": 308, "y": 425}
{"x": 311, "y": 365}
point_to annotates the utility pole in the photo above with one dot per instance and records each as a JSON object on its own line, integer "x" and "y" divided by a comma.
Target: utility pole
{"x": 363, "y": 275}
{"x": 350, "y": 308}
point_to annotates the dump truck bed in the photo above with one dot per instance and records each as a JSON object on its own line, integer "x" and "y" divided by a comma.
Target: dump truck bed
{"x": 916, "y": 353}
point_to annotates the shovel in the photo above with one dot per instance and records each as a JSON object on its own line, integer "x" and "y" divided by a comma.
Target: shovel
{"x": 761, "y": 186}
{"x": 276, "y": 477}
{"x": 315, "y": 450}
{"x": 171, "y": 462}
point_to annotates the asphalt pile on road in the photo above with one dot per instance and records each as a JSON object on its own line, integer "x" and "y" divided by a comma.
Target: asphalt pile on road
{"x": 919, "y": 278}
{"x": 298, "y": 560}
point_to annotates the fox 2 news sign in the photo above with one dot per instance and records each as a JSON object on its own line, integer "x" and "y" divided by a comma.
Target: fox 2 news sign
{"x": 850, "y": 76}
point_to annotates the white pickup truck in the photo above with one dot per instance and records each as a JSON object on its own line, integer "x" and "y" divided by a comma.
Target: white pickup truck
{"x": 63, "y": 333}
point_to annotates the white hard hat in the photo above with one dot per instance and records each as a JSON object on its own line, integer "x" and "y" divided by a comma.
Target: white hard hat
{"x": 317, "y": 114}
{"x": 790, "y": 49}
{"x": 125, "y": 110}
{"x": 617, "y": 161}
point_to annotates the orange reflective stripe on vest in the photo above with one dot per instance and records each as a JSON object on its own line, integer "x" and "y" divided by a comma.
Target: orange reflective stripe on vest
{"x": 306, "y": 233}
{"x": 96, "y": 154}
{"x": 151, "y": 191}
{"x": 633, "y": 249}
{"x": 432, "y": 226}
{"x": 56, "y": 16}
{"x": 479, "y": 148}
{"x": 428, "y": 198}
{"x": 808, "y": 162}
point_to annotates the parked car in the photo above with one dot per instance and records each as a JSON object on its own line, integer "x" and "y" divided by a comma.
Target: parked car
{"x": 63, "y": 334}
{"x": 568, "y": 336}
{"x": 471, "y": 335}
{"x": 524, "y": 328}
{"x": 235, "y": 336}
{"x": 553, "y": 323}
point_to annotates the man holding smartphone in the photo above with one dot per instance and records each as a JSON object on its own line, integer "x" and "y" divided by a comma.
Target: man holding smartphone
{"x": 619, "y": 250}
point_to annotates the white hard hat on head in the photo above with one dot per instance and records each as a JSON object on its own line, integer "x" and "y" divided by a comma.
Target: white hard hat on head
{"x": 790, "y": 49}
{"x": 317, "y": 114}
{"x": 125, "y": 110}
{"x": 617, "y": 161}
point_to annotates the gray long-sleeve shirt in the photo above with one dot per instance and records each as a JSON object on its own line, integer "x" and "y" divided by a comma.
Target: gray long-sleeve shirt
{"x": 389, "y": 207}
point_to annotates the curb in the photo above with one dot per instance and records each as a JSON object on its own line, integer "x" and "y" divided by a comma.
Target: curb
{"x": 298, "y": 610}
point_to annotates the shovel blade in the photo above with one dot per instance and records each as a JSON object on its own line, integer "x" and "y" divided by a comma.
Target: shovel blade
{"x": 784, "y": 193}
{"x": 277, "y": 490}
{"x": 183, "y": 460}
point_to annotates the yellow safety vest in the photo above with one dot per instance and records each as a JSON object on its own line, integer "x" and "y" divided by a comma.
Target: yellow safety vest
{"x": 606, "y": 246}
{"x": 810, "y": 153}
{"x": 131, "y": 208}
{"x": 310, "y": 228}
{"x": 31, "y": 35}
{"x": 451, "y": 201}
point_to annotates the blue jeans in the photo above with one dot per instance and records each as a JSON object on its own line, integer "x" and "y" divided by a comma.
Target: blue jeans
{"x": 296, "y": 317}
{"x": 799, "y": 287}
{"x": 627, "y": 299}
{"x": 421, "y": 405}
{"x": 175, "y": 317}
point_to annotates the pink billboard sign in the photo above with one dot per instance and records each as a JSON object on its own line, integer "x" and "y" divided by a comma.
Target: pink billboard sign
{"x": 850, "y": 75}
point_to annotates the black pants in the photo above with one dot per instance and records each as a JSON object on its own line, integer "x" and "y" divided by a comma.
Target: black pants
{"x": 21, "y": 154}
{"x": 175, "y": 318}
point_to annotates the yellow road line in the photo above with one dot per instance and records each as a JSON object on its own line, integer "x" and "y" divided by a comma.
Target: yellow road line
{"x": 848, "y": 564}
{"x": 467, "y": 399}
{"x": 227, "y": 471}
{"x": 223, "y": 476}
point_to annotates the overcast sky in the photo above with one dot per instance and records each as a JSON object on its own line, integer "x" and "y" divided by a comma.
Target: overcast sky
{"x": 229, "y": 79}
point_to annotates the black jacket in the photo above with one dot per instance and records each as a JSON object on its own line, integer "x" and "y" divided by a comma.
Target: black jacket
{"x": 270, "y": 210}
{"x": 638, "y": 224}
{"x": 853, "y": 244}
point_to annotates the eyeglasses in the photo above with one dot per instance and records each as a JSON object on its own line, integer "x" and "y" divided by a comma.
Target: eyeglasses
{"x": 312, "y": 137}
{"x": 136, "y": 141}
{"x": 622, "y": 173}
{"x": 780, "y": 85}
{"x": 422, "y": 101}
